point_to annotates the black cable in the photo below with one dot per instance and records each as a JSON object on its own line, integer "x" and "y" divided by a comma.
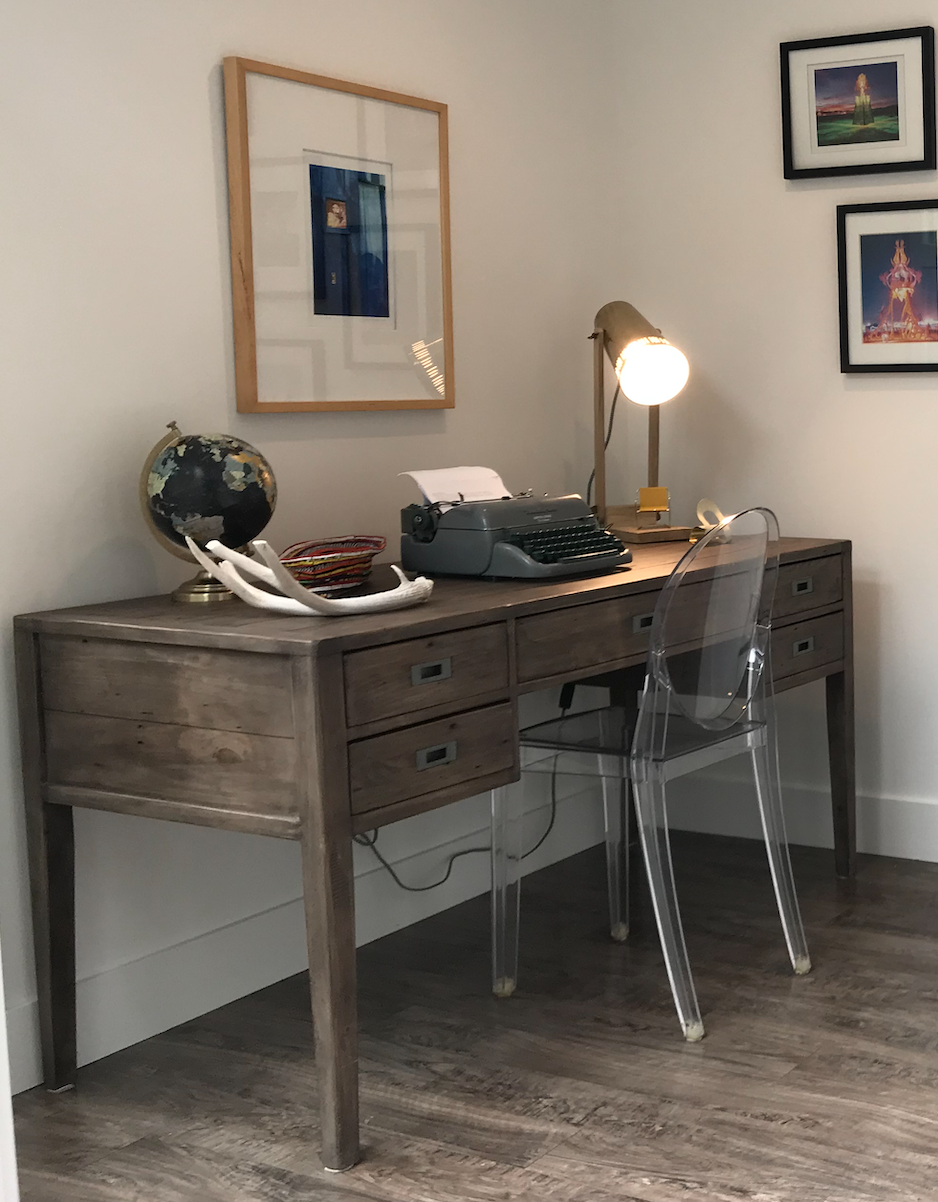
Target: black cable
{"x": 553, "y": 811}
{"x": 371, "y": 839}
{"x": 612, "y": 418}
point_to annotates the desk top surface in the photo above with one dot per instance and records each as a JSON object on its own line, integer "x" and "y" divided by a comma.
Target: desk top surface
{"x": 456, "y": 601}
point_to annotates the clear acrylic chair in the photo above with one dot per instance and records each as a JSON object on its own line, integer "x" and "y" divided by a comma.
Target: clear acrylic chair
{"x": 707, "y": 697}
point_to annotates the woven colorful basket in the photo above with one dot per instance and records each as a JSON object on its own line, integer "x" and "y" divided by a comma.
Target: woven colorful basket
{"x": 332, "y": 564}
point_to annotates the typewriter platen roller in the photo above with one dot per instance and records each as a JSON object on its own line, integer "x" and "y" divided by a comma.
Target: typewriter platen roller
{"x": 517, "y": 538}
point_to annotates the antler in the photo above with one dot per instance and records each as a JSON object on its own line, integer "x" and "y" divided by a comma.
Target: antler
{"x": 292, "y": 597}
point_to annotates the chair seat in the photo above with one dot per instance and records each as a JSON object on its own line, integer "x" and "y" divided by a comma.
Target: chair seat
{"x": 599, "y": 741}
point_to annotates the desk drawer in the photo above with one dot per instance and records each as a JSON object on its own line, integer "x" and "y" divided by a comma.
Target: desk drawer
{"x": 809, "y": 584}
{"x": 807, "y": 645}
{"x": 430, "y": 757}
{"x": 568, "y": 641}
{"x": 404, "y": 678}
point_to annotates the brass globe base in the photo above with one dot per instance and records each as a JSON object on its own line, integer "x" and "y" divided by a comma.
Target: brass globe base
{"x": 202, "y": 588}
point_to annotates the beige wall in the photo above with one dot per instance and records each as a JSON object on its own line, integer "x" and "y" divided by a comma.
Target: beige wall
{"x": 599, "y": 149}
{"x": 740, "y": 267}
{"x": 116, "y": 319}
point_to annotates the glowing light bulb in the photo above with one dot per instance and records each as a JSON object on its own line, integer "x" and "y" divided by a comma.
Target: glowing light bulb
{"x": 651, "y": 371}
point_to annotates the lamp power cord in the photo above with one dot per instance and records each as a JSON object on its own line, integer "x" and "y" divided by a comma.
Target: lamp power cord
{"x": 612, "y": 418}
{"x": 370, "y": 838}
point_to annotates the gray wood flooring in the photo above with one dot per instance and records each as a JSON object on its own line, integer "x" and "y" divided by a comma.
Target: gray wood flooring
{"x": 579, "y": 1088}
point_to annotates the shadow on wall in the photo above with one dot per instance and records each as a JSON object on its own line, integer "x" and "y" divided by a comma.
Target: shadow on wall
{"x": 720, "y": 434}
{"x": 120, "y": 567}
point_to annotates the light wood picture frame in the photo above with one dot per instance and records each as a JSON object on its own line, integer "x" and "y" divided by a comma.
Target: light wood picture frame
{"x": 340, "y": 243}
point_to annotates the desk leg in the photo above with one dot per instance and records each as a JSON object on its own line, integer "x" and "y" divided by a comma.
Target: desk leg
{"x": 329, "y": 899}
{"x": 330, "y": 933}
{"x": 51, "y": 850}
{"x": 52, "y": 875}
{"x": 842, "y": 752}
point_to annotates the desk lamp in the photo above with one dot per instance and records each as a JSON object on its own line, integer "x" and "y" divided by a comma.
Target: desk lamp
{"x": 650, "y": 371}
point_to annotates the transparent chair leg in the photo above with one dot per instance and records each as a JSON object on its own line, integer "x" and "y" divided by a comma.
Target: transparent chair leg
{"x": 507, "y": 815}
{"x": 653, "y": 831}
{"x": 768, "y": 788}
{"x": 612, "y": 775}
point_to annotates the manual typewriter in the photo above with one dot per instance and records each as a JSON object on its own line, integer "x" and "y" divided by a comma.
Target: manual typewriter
{"x": 517, "y": 537}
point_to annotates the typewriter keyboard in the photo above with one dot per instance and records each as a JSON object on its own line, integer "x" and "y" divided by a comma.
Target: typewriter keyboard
{"x": 564, "y": 544}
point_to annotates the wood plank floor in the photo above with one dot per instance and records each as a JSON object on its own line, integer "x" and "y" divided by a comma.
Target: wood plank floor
{"x": 579, "y": 1088}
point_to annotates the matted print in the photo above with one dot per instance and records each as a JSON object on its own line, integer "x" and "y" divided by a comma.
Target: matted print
{"x": 888, "y": 265}
{"x": 859, "y": 104}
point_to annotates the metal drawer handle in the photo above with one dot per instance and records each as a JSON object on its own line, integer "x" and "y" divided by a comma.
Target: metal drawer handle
{"x": 800, "y": 588}
{"x": 803, "y": 646}
{"x": 433, "y": 669}
{"x": 436, "y": 757}
{"x": 642, "y": 622}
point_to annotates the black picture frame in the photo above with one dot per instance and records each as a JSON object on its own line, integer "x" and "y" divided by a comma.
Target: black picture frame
{"x": 815, "y": 142}
{"x": 861, "y": 286}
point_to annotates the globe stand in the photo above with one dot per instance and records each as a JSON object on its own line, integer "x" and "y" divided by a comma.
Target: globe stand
{"x": 222, "y": 471}
{"x": 202, "y": 588}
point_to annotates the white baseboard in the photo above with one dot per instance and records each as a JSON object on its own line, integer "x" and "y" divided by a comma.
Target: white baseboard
{"x": 901, "y": 827}
{"x": 134, "y": 1000}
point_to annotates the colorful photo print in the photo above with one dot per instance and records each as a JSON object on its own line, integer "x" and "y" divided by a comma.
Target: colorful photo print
{"x": 899, "y": 287}
{"x": 350, "y": 242}
{"x": 857, "y": 104}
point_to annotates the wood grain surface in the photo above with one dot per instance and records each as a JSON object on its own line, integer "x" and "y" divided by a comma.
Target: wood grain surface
{"x": 237, "y": 719}
{"x": 577, "y": 1089}
{"x": 379, "y": 682}
{"x": 454, "y": 602}
{"x": 809, "y": 585}
{"x": 229, "y": 769}
{"x": 222, "y": 690}
{"x": 384, "y": 770}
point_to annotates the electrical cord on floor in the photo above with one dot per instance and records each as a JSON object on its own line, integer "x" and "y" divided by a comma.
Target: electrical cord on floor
{"x": 370, "y": 840}
{"x": 612, "y": 418}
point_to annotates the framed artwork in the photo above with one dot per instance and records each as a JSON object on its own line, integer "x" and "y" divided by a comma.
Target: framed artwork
{"x": 860, "y": 104}
{"x": 340, "y": 259}
{"x": 887, "y": 257}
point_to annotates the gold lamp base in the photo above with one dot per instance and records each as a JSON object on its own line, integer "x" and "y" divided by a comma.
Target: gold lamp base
{"x": 654, "y": 534}
{"x": 202, "y": 589}
{"x": 634, "y": 525}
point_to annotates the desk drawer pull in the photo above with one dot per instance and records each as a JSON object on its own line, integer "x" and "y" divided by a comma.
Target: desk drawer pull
{"x": 803, "y": 646}
{"x": 436, "y": 757}
{"x": 642, "y": 622}
{"x": 801, "y": 588}
{"x": 434, "y": 669}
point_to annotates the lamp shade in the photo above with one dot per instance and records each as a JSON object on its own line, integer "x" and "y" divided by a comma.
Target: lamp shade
{"x": 650, "y": 370}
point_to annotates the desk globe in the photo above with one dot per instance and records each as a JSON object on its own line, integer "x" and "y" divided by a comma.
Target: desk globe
{"x": 209, "y": 486}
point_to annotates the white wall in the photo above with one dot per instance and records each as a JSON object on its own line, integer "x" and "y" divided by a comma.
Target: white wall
{"x": 739, "y": 267}
{"x": 116, "y": 319}
{"x": 621, "y": 148}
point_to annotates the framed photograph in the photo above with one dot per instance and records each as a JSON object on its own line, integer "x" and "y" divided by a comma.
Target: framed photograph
{"x": 887, "y": 257}
{"x": 860, "y": 104}
{"x": 340, "y": 260}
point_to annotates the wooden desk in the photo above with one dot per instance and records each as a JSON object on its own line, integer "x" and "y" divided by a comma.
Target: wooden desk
{"x": 315, "y": 729}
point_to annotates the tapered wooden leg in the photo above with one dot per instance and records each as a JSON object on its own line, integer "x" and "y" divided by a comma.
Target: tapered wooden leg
{"x": 52, "y": 878}
{"x": 329, "y": 899}
{"x": 330, "y": 933}
{"x": 51, "y": 850}
{"x": 842, "y": 750}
